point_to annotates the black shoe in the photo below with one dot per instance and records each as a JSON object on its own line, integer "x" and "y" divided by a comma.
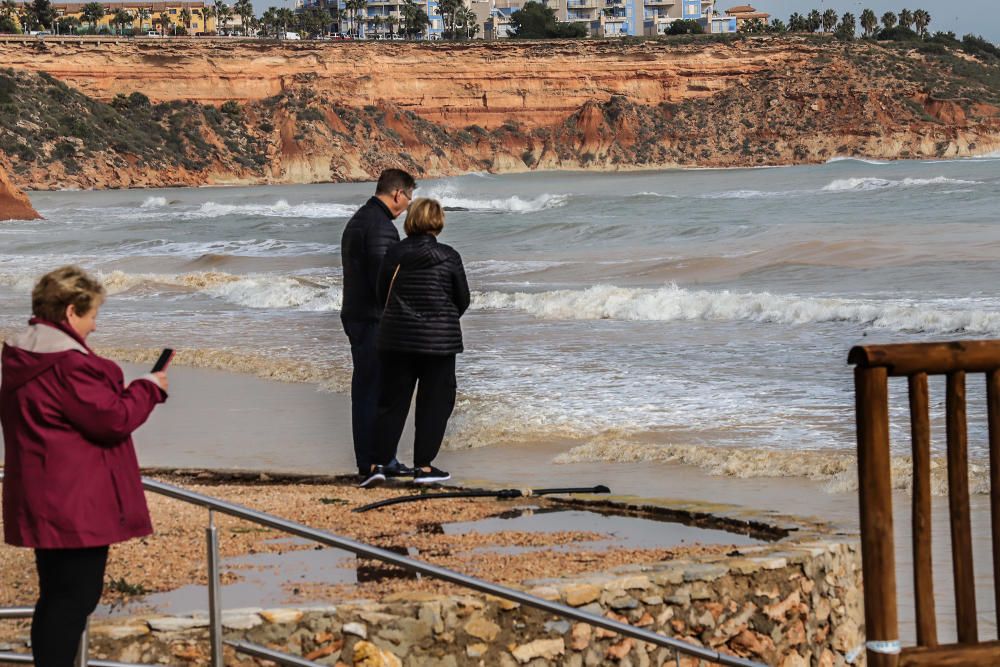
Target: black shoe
{"x": 421, "y": 476}
{"x": 374, "y": 478}
{"x": 396, "y": 469}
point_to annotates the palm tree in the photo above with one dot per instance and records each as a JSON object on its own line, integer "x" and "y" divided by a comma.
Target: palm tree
{"x": 185, "y": 18}
{"x": 905, "y": 18}
{"x": 889, "y": 20}
{"x": 796, "y": 23}
{"x": 392, "y": 22}
{"x": 142, "y": 15}
{"x": 121, "y": 18}
{"x": 164, "y": 21}
{"x": 921, "y": 19}
{"x": 244, "y": 9}
{"x": 92, "y": 13}
{"x": 206, "y": 14}
{"x": 222, "y": 13}
{"x": 377, "y": 23}
{"x": 815, "y": 20}
{"x": 829, "y": 20}
{"x": 868, "y": 22}
{"x": 848, "y": 26}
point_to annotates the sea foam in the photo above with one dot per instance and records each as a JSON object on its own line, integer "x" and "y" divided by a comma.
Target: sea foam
{"x": 675, "y": 303}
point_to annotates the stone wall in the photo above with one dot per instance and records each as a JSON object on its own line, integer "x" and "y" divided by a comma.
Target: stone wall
{"x": 786, "y": 605}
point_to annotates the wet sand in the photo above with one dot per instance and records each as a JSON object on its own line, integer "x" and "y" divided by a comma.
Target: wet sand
{"x": 220, "y": 420}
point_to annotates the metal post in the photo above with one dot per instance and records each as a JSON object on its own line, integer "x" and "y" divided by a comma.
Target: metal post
{"x": 214, "y": 598}
{"x": 81, "y": 653}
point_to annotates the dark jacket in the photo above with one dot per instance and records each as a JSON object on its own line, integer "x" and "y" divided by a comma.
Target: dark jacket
{"x": 71, "y": 477}
{"x": 366, "y": 238}
{"x": 430, "y": 293}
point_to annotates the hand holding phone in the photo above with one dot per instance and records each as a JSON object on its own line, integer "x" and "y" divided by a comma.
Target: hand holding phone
{"x": 163, "y": 361}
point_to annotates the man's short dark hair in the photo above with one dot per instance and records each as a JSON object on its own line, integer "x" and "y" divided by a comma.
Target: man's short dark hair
{"x": 394, "y": 179}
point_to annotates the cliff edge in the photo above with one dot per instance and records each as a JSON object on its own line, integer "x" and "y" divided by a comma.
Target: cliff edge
{"x": 14, "y": 204}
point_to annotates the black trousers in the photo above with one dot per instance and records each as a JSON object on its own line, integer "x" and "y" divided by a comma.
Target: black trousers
{"x": 364, "y": 390}
{"x": 434, "y": 378}
{"x": 69, "y": 584}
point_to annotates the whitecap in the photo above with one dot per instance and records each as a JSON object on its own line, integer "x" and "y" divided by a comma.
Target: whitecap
{"x": 849, "y": 158}
{"x": 869, "y": 184}
{"x": 278, "y": 209}
{"x": 514, "y": 204}
{"x": 154, "y": 202}
{"x": 673, "y": 303}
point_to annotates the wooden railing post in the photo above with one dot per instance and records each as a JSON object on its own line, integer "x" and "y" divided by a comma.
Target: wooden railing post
{"x": 993, "y": 412}
{"x": 958, "y": 506}
{"x": 923, "y": 574}
{"x": 875, "y": 491}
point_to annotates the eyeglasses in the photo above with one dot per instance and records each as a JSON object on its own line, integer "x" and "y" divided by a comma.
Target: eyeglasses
{"x": 408, "y": 193}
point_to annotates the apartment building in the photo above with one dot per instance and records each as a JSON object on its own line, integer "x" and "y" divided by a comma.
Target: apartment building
{"x": 608, "y": 18}
{"x": 162, "y": 17}
{"x": 382, "y": 17}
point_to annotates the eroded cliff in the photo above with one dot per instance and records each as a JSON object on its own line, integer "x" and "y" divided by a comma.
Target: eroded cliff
{"x": 121, "y": 114}
{"x": 14, "y": 204}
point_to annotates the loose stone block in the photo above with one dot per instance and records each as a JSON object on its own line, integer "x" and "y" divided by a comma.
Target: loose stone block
{"x": 367, "y": 654}
{"x": 706, "y": 572}
{"x": 114, "y": 632}
{"x": 281, "y": 615}
{"x": 545, "y": 592}
{"x": 652, "y": 600}
{"x": 540, "y": 648}
{"x": 581, "y": 594}
{"x": 177, "y": 623}
{"x": 482, "y": 628}
{"x": 581, "y": 636}
{"x": 356, "y": 629}
{"x": 232, "y": 621}
{"x": 624, "y": 602}
{"x": 558, "y": 627}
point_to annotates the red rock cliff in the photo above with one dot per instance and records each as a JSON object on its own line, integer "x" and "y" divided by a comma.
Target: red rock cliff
{"x": 311, "y": 112}
{"x": 14, "y": 204}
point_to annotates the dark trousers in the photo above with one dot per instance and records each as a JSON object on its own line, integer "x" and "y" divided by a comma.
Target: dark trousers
{"x": 434, "y": 378}
{"x": 69, "y": 584}
{"x": 364, "y": 390}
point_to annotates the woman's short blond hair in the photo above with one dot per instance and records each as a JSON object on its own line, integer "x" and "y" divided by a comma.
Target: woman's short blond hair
{"x": 425, "y": 216}
{"x": 67, "y": 285}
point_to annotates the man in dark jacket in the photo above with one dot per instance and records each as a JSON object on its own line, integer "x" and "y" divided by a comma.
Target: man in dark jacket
{"x": 366, "y": 238}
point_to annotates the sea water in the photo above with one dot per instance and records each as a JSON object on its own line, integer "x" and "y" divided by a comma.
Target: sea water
{"x": 702, "y": 316}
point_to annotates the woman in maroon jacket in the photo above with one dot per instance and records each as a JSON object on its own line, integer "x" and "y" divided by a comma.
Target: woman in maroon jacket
{"x": 71, "y": 484}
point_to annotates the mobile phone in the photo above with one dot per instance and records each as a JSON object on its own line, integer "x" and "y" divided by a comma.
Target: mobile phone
{"x": 165, "y": 357}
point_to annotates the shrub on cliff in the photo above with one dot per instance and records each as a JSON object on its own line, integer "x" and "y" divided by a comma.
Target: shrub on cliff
{"x": 537, "y": 21}
{"x": 684, "y": 27}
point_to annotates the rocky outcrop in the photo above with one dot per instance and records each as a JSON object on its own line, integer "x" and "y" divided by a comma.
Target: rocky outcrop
{"x": 14, "y": 204}
{"x": 315, "y": 112}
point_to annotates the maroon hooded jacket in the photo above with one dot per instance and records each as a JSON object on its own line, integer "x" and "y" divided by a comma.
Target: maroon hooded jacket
{"x": 71, "y": 478}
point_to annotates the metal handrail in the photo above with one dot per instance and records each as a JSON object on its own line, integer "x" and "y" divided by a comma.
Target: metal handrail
{"x": 368, "y": 551}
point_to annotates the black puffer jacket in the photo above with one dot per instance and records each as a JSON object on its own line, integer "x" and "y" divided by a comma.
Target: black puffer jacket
{"x": 428, "y": 296}
{"x": 366, "y": 238}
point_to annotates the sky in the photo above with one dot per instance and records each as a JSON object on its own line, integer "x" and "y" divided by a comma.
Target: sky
{"x": 980, "y": 17}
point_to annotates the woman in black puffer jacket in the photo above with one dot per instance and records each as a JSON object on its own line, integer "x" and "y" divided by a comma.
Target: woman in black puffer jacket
{"x": 422, "y": 284}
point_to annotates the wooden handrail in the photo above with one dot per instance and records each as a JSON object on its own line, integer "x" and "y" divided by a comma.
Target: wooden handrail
{"x": 971, "y": 356}
{"x": 874, "y": 365}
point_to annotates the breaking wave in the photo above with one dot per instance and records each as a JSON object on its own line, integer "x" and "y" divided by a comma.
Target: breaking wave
{"x": 278, "y": 292}
{"x": 279, "y": 209}
{"x": 869, "y": 184}
{"x": 674, "y": 303}
{"x": 848, "y": 158}
{"x": 241, "y": 247}
{"x": 514, "y": 204}
{"x": 837, "y": 469}
{"x": 154, "y": 202}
